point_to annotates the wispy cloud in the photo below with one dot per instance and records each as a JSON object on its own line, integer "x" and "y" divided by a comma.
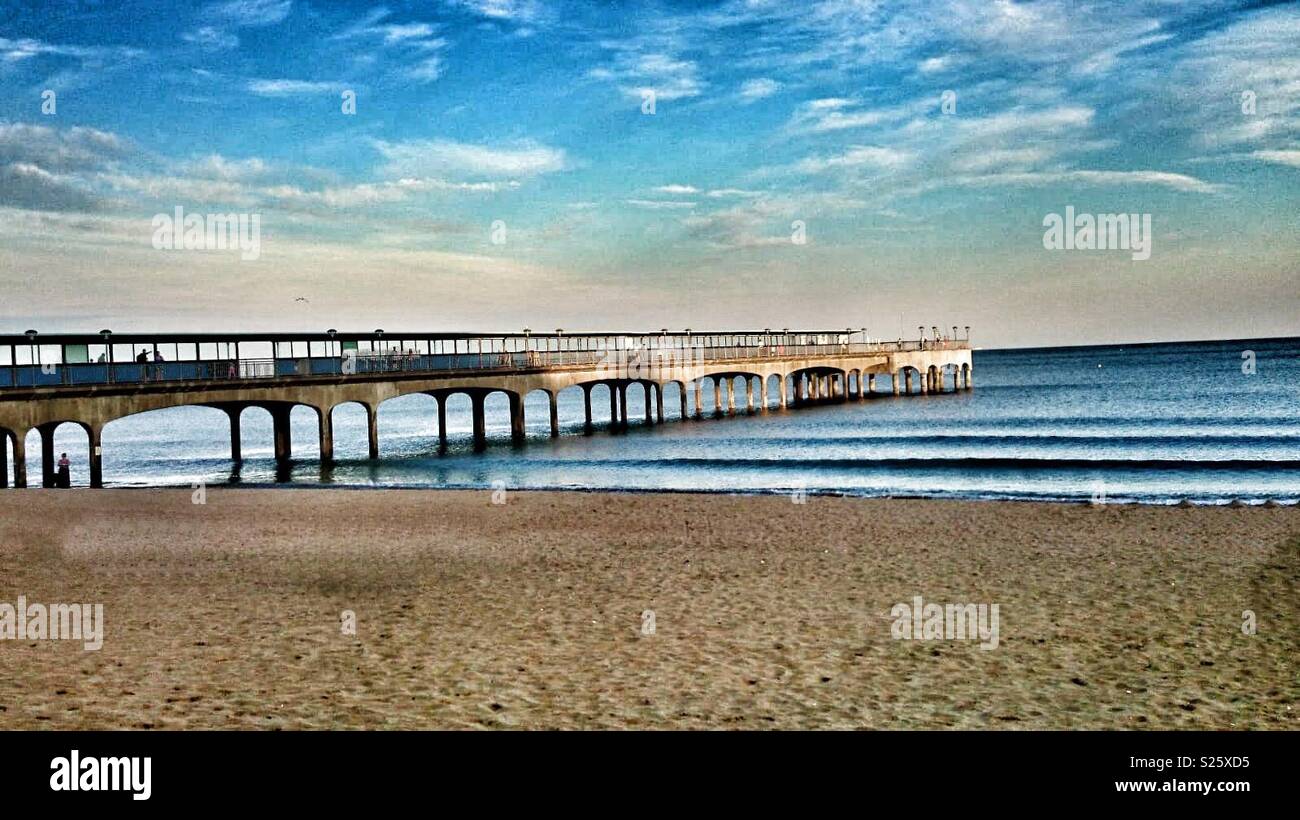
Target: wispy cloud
{"x": 1291, "y": 158}
{"x": 292, "y": 88}
{"x": 250, "y": 13}
{"x": 758, "y": 88}
{"x": 431, "y": 158}
{"x": 660, "y": 204}
{"x": 517, "y": 11}
{"x": 221, "y": 17}
{"x": 417, "y": 43}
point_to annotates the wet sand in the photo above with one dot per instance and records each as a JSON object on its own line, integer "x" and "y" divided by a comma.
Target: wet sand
{"x": 767, "y": 613}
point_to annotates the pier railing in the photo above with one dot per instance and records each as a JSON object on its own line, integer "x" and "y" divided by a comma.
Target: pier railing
{"x": 635, "y": 358}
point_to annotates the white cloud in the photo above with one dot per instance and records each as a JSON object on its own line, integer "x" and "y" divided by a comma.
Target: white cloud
{"x": 1291, "y": 158}
{"x": 758, "y": 88}
{"x": 431, "y": 158}
{"x": 659, "y": 204}
{"x": 417, "y": 42}
{"x": 870, "y": 156}
{"x": 638, "y": 71}
{"x": 211, "y": 38}
{"x": 291, "y": 88}
{"x": 251, "y": 13}
{"x": 677, "y": 190}
{"x": 1163, "y": 179}
{"x": 69, "y": 149}
{"x": 836, "y": 114}
{"x": 519, "y": 11}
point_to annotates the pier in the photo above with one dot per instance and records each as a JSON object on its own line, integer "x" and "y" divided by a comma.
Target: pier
{"x": 91, "y": 380}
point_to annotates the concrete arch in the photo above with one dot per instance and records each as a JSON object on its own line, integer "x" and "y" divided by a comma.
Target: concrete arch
{"x": 355, "y": 421}
{"x": 774, "y": 391}
{"x": 9, "y": 443}
{"x": 905, "y": 377}
{"x": 51, "y": 449}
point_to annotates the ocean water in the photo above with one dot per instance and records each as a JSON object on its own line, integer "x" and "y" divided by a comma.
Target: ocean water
{"x": 1149, "y": 424}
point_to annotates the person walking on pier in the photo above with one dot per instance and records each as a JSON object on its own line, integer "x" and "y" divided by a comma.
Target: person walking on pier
{"x": 64, "y": 478}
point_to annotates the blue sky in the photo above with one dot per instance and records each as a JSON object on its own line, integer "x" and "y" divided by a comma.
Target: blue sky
{"x": 531, "y": 113}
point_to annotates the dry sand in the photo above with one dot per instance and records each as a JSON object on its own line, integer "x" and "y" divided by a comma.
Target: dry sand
{"x": 529, "y": 614}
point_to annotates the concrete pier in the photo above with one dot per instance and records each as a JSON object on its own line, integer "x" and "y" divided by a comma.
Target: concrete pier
{"x": 810, "y": 368}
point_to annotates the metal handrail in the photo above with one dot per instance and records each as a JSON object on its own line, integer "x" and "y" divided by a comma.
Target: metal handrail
{"x": 372, "y": 362}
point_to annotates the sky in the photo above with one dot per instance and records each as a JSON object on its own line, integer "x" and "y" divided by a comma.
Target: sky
{"x": 877, "y": 164}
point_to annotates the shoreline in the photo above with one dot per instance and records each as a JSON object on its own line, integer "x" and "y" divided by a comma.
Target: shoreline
{"x": 738, "y": 493}
{"x": 532, "y": 613}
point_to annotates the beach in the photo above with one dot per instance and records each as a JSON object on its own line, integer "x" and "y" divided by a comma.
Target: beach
{"x": 577, "y": 610}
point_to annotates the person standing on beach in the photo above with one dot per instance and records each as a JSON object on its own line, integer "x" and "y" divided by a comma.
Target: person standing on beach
{"x": 65, "y": 477}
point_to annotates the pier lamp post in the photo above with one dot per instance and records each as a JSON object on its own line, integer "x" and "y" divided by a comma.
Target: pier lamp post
{"x": 921, "y": 330}
{"x": 105, "y": 334}
{"x": 954, "y": 333}
{"x": 968, "y": 333}
{"x": 31, "y": 339}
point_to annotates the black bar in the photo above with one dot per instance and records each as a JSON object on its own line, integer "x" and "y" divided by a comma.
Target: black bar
{"x": 893, "y": 771}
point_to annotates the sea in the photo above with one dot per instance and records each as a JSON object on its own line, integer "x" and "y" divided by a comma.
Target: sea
{"x": 1200, "y": 423}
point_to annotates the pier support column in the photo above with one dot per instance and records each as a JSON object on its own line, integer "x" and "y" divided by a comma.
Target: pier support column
{"x": 94, "y": 434}
{"x": 280, "y": 428}
{"x": 555, "y": 414}
{"x": 442, "y": 421}
{"x": 970, "y": 377}
{"x": 659, "y": 401}
{"x": 326, "y": 427}
{"x": 762, "y": 395}
{"x": 682, "y": 394}
{"x": 925, "y": 382}
{"x": 781, "y": 394}
{"x": 871, "y": 383}
{"x": 236, "y": 448}
{"x": 613, "y": 405}
{"x": 749, "y": 394}
{"x": 649, "y": 403}
{"x": 731, "y": 395}
{"x": 907, "y": 377}
{"x": 586, "y": 407}
{"x": 372, "y": 431}
{"x": 699, "y": 398}
{"x": 20, "y": 458}
{"x": 717, "y": 396}
{"x": 517, "y": 430}
{"x": 480, "y": 423}
{"x": 622, "y": 405}
{"x": 47, "y": 454}
{"x": 4, "y": 459}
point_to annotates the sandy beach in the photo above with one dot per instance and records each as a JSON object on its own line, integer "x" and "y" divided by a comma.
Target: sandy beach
{"x": 532, "y": 613}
